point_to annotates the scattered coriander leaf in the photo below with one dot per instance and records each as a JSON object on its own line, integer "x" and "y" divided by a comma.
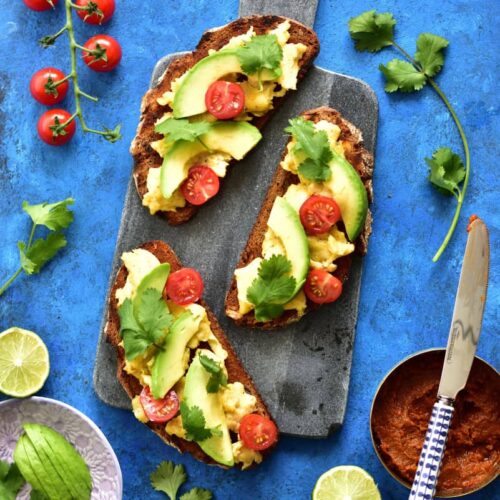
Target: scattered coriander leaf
{"x": 314, "y": 170}
{"x": 372, "y": 31}
{"x": 430, "y": 52}
{"x": 168, "y": 478}
{"x": 154, "y": 314}
{"x": 182, "y": 129}
{"x": 194, "y": 423}
{"x": 273, "y": 288}
{"x": 55, "y": 216}
{"x": 197, "y": 494}
{"x": 261, "y": 52}
{"x": 40, "y": 252}
{"x": 446, "y": 171}
{"x": 401, "y": 75}
{"x": 217, "y": 378}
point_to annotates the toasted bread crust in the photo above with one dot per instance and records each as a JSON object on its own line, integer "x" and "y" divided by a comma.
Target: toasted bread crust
{"x": 362, "y": 161}
{"x": 145, "y": 157}
{"x": 236, "y": 371}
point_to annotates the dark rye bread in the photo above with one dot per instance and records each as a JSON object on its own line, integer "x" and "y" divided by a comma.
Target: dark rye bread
{"x": 145, "y": 157}
{"x": 362, "y": 161}
{"x": 236, "y": 371}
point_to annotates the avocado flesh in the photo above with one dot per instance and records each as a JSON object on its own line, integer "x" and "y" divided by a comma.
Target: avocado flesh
{"x": 350, "y": 194}
{"x": 189, "y": 99}
{"x": 284, "y": 221}
{"x": 155, "y": 279}
{"x": 168, "y": 366}
{"x": 195, "y": 394}
{"x": 233, "y": 138}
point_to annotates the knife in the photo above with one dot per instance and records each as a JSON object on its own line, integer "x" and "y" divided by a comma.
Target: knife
{"x": 460, "y": 352}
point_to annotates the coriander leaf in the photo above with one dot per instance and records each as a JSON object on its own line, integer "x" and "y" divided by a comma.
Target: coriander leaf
{"x": 261, "y": 52}
{"x": 55, "y": 216}
{"x": 168, "y": 478}
{"x": 402, "y": 75}
{"x": 135, "y": 339}
{"x": 315, "y": 170}
{"x": 446, "y": 171}
{"x": 197, "y": 494}
{"x": 182, "y": 129}
{"x": 272, "y": 288}
{"x": 154, "y": 314}
{"x": 372, "y": 31}
{"x": 40, "y": 252}
{"x": 218, "y": 377}
{"x": 194, "y": 423}
{"x": 430, "y": 52}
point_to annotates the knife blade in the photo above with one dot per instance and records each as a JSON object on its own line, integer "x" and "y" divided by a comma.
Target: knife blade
{"x": 468, "y": 312}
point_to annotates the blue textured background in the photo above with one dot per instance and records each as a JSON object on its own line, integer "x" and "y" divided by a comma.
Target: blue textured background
{"x": 406, "y": 301}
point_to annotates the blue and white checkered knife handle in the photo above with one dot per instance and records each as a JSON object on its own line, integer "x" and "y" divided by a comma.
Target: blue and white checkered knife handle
{"x": 429, "y": 463}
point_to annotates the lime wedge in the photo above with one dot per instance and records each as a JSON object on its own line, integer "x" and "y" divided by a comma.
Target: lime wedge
{"x": 346, "y": 482}
{"x": 24, "y": 362}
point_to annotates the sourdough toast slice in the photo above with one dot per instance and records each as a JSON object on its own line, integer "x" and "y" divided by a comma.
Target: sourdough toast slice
{"x": 145, "y": 157}
{"x": 361, "y": 159}
{"x": 235, "y": 370}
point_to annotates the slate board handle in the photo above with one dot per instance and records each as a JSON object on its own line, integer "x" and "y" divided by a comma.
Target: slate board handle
{"x": 303, "y": 11}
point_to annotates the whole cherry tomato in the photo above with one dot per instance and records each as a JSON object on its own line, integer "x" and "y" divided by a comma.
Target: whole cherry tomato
{"x": 40, "y": 5}
{"x": 106, "y": 54}
{"x": 96, "y": 12}
{"x": 43, "y": 89}
{"x": 50, "y": 130}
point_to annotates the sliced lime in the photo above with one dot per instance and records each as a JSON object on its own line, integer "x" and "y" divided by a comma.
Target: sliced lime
{"x": 24, "y": 362}
{"x": 346, "y": 482}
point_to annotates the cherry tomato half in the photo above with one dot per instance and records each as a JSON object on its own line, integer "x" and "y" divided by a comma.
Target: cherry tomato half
{"x": 201, "y": 184}
{"x": 224, "y": 100}
{"x": 184, "y": 286}
{"x": 159, "y": 410}
{"x": 52, "y": 118}
{"x": 258, "y": 432}
{"x": 322, "y": 287}
{"x": 42, "y": 86}
{"x": 40, "y": 5}
{"x": 318, "y": 214}
{"x": 108, "y": 53}
{"x": 99, "y": 11}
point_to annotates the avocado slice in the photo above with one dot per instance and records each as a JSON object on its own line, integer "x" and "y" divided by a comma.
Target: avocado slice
{"x": 189, "y": 99}
{"x": 233, "y": 138}
{"x": 349, "y": 193}
{"x": 154, "y": 279}
{"x": 285, "y": 223}
{"x": 168, "y": 366}
{"x": 219, "y": 446}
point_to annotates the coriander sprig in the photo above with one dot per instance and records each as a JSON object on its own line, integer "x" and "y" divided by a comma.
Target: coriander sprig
{"x": 372, "y": 32}
{"x": 34, "y": 255}
{"x": 111, "y": 135}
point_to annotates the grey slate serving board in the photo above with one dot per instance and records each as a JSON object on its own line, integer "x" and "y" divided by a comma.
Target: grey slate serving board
{"x": 301, "y": 371}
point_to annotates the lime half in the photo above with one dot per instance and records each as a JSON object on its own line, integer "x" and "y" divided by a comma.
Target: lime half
{"x": 24, "y": 362}
{"x": 346, "y": 482}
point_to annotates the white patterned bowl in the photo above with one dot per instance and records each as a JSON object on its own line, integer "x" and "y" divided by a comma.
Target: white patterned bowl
{"x": 78, "y": 429}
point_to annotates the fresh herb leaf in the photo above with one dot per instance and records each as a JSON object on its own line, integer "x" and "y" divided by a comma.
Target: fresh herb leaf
{"x": 197, "y": 494}
{"x": 11, "y": 480}
{"x": 401, "y": 75}
{"x": 429, "y": 53}
{"x": 261, "y": 52}
{"x": 168, "y": 478}
{"x": 372, "y": 31}
{"x": 148, "y": 328}
{"x": 217, "y": 378}
{"x": 194, "y": 424}
{"x": 55, "y": 216}
{"x": 40, "y": 252}
{"x": 315, "y": 145}
{"x": 446, "y": 171}
{"x": 182, "y": 129}
{"x": 273, "y": 288}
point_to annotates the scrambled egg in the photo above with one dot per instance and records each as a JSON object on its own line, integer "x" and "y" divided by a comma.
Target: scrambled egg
{"x": 140, "y": 367}
{"x": 326, "y": 248}
{"x": 236, "y": 403}
{"x": 245, "y": 455}
{"x": 139, "y": 410}
{"x": 139, "y": 263}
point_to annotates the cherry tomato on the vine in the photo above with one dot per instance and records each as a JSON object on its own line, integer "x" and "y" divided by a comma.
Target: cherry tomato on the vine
{"x": 50, "y": 130}
{"x": 106, "y": 54}
{"x": 97, "y": 11}
{"x": 258, "y": 432}
{"x": 224, "y": 100}
{"x": 184, "y": 286}
{"x": 40, "y": 5}
{"x": 43, "y": 89}
{"x": 322, "y": 287}
{"x": 159, "y": 410}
